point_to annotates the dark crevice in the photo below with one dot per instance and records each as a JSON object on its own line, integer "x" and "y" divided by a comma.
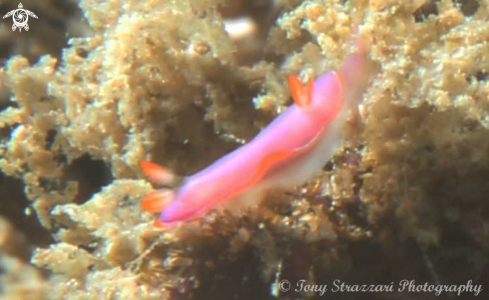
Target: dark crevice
{"x": 5, "y": 132}
{"x": 262, "y": 14}
{"x": 239, "y": 282}
{"x": 13, "y": 206}
{"x": 430, "y": 8}
{"x": 452, "y": 259}
{"x": 83, "y": 53}
{"x": 426, "y": 10}
{"x": 91, "y": 174}
{"x": 50, "y": 138}
{"x": 468, "y": 7}
{"x": 5, "y": 102}
{"x": 482, "y": 76}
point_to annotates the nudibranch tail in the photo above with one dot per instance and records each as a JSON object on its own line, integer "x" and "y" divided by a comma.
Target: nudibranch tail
{"x": 157, "y": 173}
{"x": 357, "y": 70}
{"x": 301, "y": 94}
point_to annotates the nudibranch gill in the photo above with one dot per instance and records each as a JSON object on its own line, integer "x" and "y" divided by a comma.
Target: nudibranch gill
{"x": 289, "y": 151}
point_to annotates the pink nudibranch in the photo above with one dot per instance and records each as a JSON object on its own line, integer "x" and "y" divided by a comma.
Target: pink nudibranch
{"x": 289, "y": 151}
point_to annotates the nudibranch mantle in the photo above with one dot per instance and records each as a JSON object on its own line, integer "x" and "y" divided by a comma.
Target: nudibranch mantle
{"x": 289, "y": 151}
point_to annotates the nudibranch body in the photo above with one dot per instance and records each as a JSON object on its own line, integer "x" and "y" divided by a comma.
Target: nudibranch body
{"x": 289, "y": 151}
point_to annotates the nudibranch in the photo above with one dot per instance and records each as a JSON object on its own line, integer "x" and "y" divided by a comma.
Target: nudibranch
{"x": 289, "y": 151}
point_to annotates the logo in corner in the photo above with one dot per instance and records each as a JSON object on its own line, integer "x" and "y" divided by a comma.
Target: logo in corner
{"x": 20, "y": 17}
